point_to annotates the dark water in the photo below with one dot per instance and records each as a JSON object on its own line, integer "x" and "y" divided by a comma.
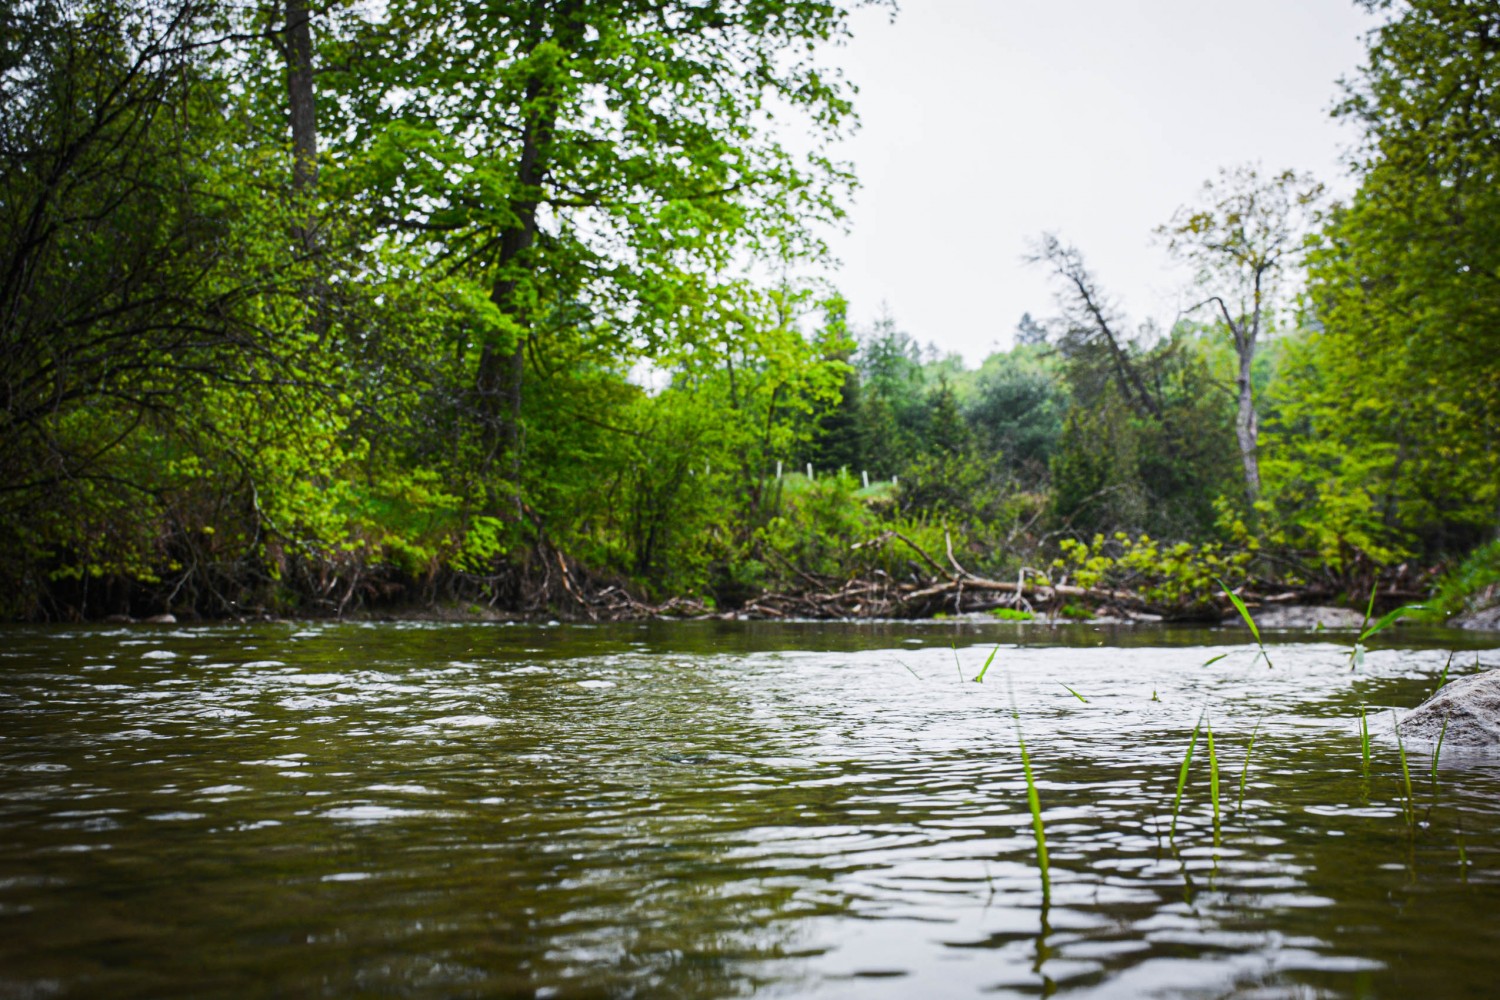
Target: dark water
{"x": 690, "y": 810}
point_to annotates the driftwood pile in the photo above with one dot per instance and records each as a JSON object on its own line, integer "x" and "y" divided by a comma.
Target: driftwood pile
{"x": 930, "y": 588}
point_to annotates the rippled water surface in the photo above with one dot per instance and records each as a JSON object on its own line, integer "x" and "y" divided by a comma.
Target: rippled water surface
{"x": 704, "y": 810}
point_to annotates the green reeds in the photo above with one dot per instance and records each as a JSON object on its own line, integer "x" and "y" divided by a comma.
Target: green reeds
{"x": 1245, "y": 768}
{"x": 1443, "y": 679}
{"x": 1239, "y": 606}
{"x": 979, "y": 679}
{"x": 1213, "y": 773}
{"x": 1411, "y": 804}
{"x": 1364, "y": 740}
{"x": 1034, "y": 803}
{"x": 1438, "y": 749}
{"x": 1366, "y": 630}
{"x": 1182, "y": 775}
{"x": 1075, "y": 694}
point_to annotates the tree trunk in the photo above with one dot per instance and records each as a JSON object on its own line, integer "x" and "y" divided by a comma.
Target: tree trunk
{"x": 1246, "y": 425}
{"x": 500, "y": 376}
{"x": 301, "y": 97}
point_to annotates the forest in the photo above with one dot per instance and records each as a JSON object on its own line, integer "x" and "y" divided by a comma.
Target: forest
{"x": 526, "y": 308}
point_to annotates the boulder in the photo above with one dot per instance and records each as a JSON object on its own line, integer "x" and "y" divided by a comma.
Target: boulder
{"x": 1483, "y": 620}
{"x": 1471, "y": 707}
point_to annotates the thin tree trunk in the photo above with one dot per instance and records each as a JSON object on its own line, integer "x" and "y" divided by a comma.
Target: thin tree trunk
{"x": 1246, "y": 424}
{"x": 301, "y": 97}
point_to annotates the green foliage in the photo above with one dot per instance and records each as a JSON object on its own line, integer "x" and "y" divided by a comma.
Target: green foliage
{"x": 1387, "y": 427}
{"x": 1183, "y": 575}
{"x": 1471, "y": 584}
{"x": 1011, "y": 614}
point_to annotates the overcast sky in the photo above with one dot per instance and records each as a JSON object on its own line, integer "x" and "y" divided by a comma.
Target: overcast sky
{"x": 987, "y": 122}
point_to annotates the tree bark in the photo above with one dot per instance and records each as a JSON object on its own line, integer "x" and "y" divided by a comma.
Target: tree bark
{"x": 1247, "y": 425}
{"x": 500, "y": 378}
{"x": 302, "y": 99}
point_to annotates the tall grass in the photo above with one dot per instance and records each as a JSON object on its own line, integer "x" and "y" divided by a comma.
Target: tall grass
{"x": 986, "y": 669}
{"x": 1245, "y": 770}
{"x": 1364, "y": 740}
{"x": 1366, "y": 630}
{"x": 1034, "y": 803}
{"x": 1239, "y": 606}
{"x": 1182, "y": 776}
{"x": 1438, "y": 750}
{"x": 1411, "y": 805}
{"x": 1213, "y": 776}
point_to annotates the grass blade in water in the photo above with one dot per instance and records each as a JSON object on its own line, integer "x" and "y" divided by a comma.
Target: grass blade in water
{"x": 1075, "y": 694}
{"x": 1364, "y": 739}
{"x": 1245, "y": 770}
{"x": 1213, "y": 773}
{"x": 1438, "y": 749}
{"x": 1182, "y": 777}
{"x": 986, "y": 669}
{"x": 1411, "y": 805}
{"x": 1239, "y": 606}
{"x": 1034, "y": 803}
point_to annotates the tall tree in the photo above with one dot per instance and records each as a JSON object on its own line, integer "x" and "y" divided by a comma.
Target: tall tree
{"x": 1092, "y": 336}
{"x": 598, "y": 167}
{"x": 1399, "y": 392}
{"x": 1243, "y": 236}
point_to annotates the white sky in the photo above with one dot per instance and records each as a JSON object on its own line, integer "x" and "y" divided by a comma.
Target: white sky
{"x": 987, "y": 122}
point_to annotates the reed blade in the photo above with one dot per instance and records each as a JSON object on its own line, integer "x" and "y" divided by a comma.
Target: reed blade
{"x": 1034, "y": 803}
{"x": 1411, "y": 806}
{"x": 1213, "y": 772}
{"x": 1364, "y": 739}
{"x": 986, "y": 668}
{"x": 1245, "y": 769}
{"x": 1182, "y": 776}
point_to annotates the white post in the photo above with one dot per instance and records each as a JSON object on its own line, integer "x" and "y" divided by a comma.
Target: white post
{"x": 778, "y": 468}
{"x": 809, "y": 470}
{"x": 865, "y": 475}
{"x": 895, "y": 480}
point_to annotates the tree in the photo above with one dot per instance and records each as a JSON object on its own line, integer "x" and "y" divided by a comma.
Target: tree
{"x": 1388, "y": 431}
{"x": 1091, "y": 339}
{"x": 1030, "y": 333}
{"x": 1017, "y": 412}
{"x": 595, "y": 168}
{"x": 1243, "y": 236}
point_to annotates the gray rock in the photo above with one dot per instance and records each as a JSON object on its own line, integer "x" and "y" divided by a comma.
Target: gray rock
{"x": 1298, "y": 616}
{"x": 1483, "y": 620}
{"x": 161, "y": 620}
{"x": 1471, "y": 707}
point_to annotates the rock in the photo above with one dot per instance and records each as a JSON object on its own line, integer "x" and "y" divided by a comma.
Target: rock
{"x": 1483, "y": 620}
{"x": 1471, "y": 706}
{"x": 161, "y": 620}
{"x": 118, "y": 619}
{"x": 1295, "y": 616}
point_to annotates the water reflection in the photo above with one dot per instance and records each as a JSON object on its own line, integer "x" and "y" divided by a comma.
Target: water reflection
{"x": 718, "y": 810}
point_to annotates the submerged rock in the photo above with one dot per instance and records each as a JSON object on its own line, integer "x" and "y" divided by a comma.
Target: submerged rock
{"x": 1298, "y": 616}
{"x": 1471, "y": 708}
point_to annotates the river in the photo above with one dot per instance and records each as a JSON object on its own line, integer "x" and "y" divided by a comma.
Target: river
{"x": 728, "y": 809}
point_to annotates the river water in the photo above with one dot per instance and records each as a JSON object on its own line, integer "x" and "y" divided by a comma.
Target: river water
{"x": 718, "y": 809}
